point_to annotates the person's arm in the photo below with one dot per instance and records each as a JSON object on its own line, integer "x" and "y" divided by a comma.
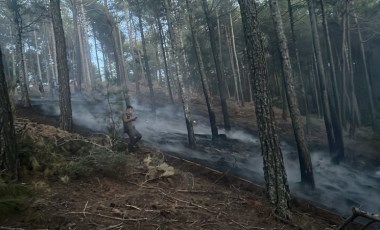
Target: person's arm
{"x": 128, "y": 119}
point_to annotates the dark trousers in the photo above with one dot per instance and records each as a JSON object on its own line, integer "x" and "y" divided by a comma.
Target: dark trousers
{"x": 134, "y": 137}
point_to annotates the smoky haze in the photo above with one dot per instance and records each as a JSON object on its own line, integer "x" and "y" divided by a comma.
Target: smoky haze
{"x": 339, "y": 187}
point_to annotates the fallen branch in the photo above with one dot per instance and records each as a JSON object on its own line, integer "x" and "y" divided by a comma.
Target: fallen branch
{"x": 132, "y": 206}
{"x": 86, "y": 141}
{"x": 108, "y": 217}
{"x": 84, "y": 209}
{"x": 356, "y": 212}
{"x": 143, "y": 186}
{"x": 246, "y": 227}
{"x": 189, "y": 203}
{"x": 10, "y": 228}
{"x": 114, "y": 226}
{"x": 192, "y": 191}
{"x": 225, "y": 174}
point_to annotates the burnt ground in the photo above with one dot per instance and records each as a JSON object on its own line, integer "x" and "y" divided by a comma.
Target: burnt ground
{"x": 195, "y": 197}
{"x": 361, "y": 150}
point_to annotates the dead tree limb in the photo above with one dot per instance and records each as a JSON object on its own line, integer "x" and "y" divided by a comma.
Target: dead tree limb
{"x": 356, "y": 212}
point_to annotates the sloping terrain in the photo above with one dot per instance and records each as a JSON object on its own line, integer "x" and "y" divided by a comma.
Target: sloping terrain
{"x": 86, "y": 183}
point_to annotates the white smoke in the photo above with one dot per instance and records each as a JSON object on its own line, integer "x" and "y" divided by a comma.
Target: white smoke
{"x": 339, "y": 187}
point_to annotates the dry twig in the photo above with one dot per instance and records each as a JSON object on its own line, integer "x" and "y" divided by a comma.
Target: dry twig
{"x": 188, "y": 202}
{"x": 86, "y": 141}
{"x": 10, "y": 228}
{"x": 109, "y": 217}
{"x": 84, "y": 209}
{"x": 246, "y": 227}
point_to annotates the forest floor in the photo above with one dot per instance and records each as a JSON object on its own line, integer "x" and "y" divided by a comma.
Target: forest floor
{"x": 81, "y": 182}
{"x": 361, "y": 150}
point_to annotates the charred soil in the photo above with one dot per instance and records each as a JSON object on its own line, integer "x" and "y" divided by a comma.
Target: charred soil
{"x": 149, "y": 190}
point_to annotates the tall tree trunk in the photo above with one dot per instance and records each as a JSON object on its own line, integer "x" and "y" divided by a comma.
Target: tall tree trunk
{"x": 63, "y": 70}
{"x": 50, "y": 59}
{"x": 118, "y": 55}
{"x": 27, "y": 80}
{"x": 158, "y": 72}
{"x": 219, "y": 74}
{"x": 181, "y": 89}
{"x": 54, "y": 51}
{"x": 37, "y": 57}
{"x": 202, "y": 73}
{"x": 185, "y": 66}
{"x": 314, "y": 86}
{"x": 331, "y": 61}
{"x": 121, "y": 44}
{"x": 146, "y": 60}
{"x": 236, "y": 60}
{"x": 96, "y": 53}
{"x": 77, "y": 45}
{"x": 132, "y": 45}
{"x": 15, "y": 7}
{"x": 345, "y": 65}
{"x": 7, "y": 130}
{"x": 355, "y": 114}
{"x": 86, "y": 63}
{"x": 368, "y": 83}
{"x": 335, "y": 107}
{"x": 233, "y": 66}
{"x": 301, "y": 84}
{"x": 167, "y": 74}
{"x": 306, "y": 167}
{"x": 274, "y": 170}
{"x": 105, "y": 64}
{"x": 335, "y": 137}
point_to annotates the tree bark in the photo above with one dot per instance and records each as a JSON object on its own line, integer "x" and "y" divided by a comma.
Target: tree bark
{"x": 334, "y": 104}
{"x": 236, "y": 60}
{"x": 368, "y": 83}
{"x": 167, "y": 74}
{"x": 335, "y": 137}
{"x": 86, "y": 60}
{"x": 181, "y": 89}
{"x": 7, "y": 130}
{"x": 17, "y": 19}
{"x": 49, "y": 59}
{"x": 96, "y": 53}
{"x": 331, "y": 61}
{"x": 233, "y": 66}
{"x": 301, "y": 83}
{"x": 146, "y": 60}
{"x": 355, "y": 113}
{"x": 274, "y": 170}
{"x": 37, "y": 57}
{"x": 306, "y": 167}
{"x": 54, "y": 51}
{"x": 219, "y": 74}
{"x": 77, "y": 44}
{"x": 63, "y": 71}
{"x": 202, "y": 72}
{"x": 118, "y": 55}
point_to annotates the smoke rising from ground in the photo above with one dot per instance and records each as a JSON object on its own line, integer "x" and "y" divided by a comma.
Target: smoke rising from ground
{"x": 339, "y": 187}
